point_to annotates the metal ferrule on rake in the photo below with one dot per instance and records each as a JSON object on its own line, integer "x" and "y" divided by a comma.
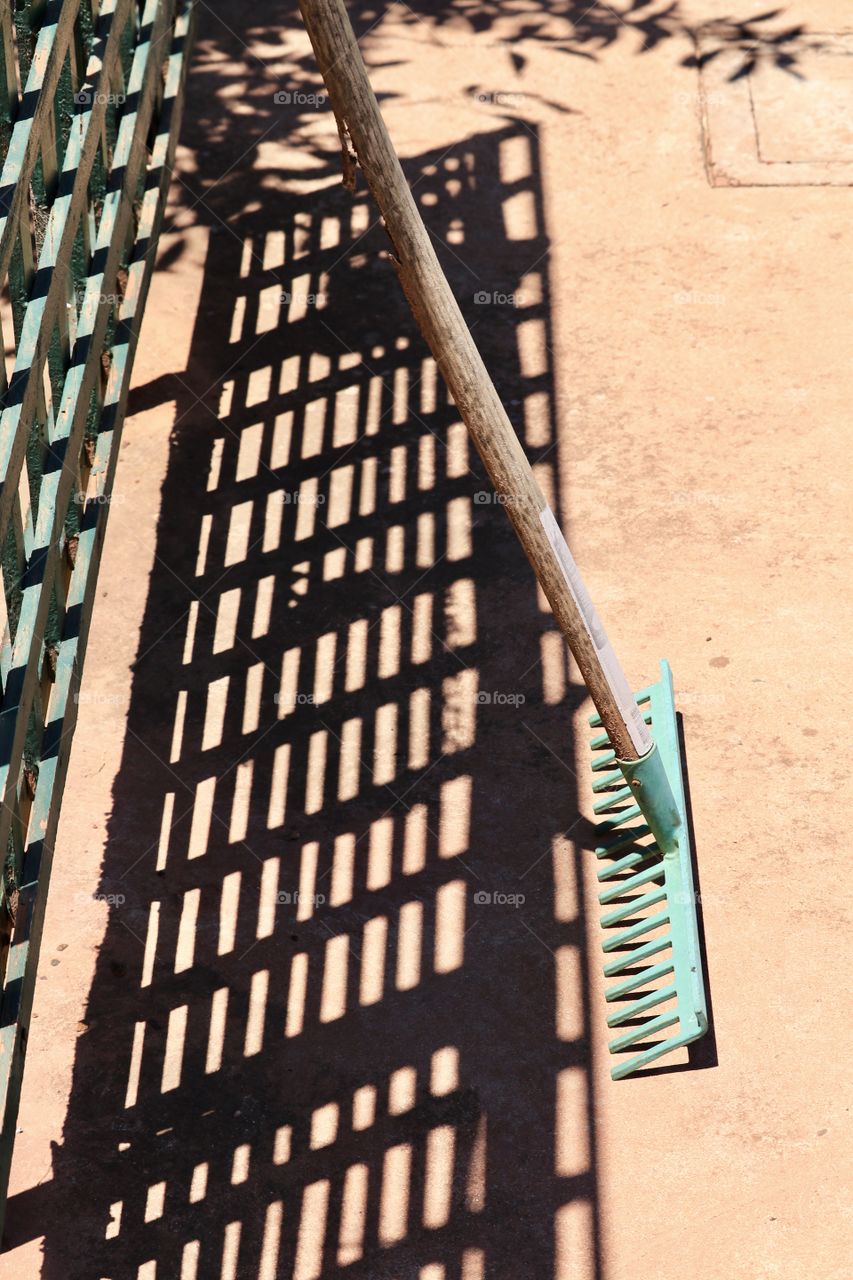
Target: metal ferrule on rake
{"x": 650, "y": 787}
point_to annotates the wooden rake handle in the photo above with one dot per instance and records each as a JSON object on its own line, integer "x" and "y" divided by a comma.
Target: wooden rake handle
{"x": 365, "y": 139}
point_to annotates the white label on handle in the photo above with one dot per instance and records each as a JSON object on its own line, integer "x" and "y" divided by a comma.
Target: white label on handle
{"x": 619, "y": 687}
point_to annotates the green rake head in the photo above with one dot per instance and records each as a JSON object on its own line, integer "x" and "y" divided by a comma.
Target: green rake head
{"x": 650, "y": 917}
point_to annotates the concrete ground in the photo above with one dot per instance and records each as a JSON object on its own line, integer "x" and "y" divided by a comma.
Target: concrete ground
{"x": 278, "y": 1031}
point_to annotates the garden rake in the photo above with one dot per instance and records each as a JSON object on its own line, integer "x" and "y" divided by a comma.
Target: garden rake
{"x": 651, "y": 921}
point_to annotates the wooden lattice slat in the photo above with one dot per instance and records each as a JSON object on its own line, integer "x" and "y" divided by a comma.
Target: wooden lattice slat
{"x": 84, "y": 86}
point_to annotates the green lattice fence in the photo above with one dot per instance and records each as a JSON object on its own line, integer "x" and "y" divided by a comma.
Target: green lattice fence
{"x": 90, "y": 99}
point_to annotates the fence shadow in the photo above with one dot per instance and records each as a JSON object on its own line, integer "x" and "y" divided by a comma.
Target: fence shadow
{"x": 338, "y": 1024}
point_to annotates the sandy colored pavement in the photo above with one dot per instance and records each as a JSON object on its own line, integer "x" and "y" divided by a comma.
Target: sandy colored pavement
{"x": 278, "y": 1032}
